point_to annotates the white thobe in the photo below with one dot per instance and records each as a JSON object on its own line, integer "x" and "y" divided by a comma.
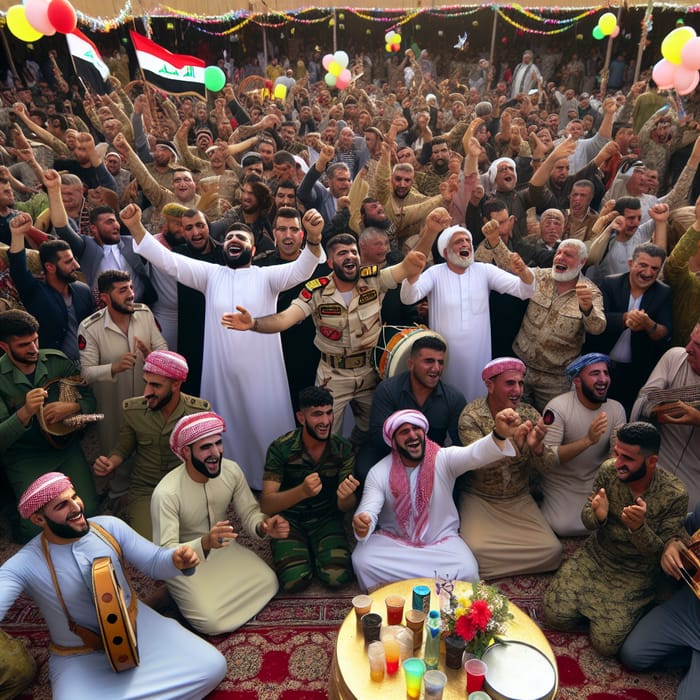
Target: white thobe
{"x": 380, "y": 558}
{"x": 243, "y": 374}
{"x": 458, "y": 308}
{"x": 174, "y": 663}
{"x": 680, "y": 444}
{"x": 232, "y": 583}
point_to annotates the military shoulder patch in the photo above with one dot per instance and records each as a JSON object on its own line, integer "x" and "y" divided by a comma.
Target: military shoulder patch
{"x": 312, "y": 285}
{"x": 82, "y": 342}
{"x": 369, "y": 271}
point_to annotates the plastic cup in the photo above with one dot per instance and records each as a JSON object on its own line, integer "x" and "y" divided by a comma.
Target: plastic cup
{"x": 414, "y": 669}
{"x": 479, "y": 695}
{"x": 415, "y": 621}
{"x": 362, "y": 605}
{"x": 394, "y": 609}
{"x": 392, "y": 653}
{"x": 371, "y": 627}
{"x": 434, "y": 684}
{"x": 476, "y": 673}
{"x": 375, "y": 653}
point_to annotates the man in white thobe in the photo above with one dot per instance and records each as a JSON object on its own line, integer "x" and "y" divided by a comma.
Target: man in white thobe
{"x": 406, "y": 524}
{"x": 190, "y": 505}
{"x": 256, "y": 414}
{"x": 458, "y": 302}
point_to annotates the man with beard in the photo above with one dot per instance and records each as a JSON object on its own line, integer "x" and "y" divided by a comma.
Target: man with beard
{"x": 564, "y": 307}
{"x": 228, "y": 359}
{"x": 25, "y": 373}
{"x": 406, "y": 524}
{"x": 346, "y": 308}
{"x": 678, "y": 371}
{"x": 634, "y": 508}
{"x": 58, "y": 302}
{"x": 146, "y": 422}
{"x": 428, "y": 180}
{"x": 581, "y": 426}
{"x": 162, "y": 168}
{"x": 114, "y": 343}
{"x": 458, "y": 297}
{"x": 639, "y": 322}
{"x": 55, "y": 570}
{"x": 499, "y": 519}
{"x": 191, "y": 504}
{"x": 308, "y": 479}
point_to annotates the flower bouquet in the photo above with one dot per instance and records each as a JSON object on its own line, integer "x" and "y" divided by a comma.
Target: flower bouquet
{"x": 477, "y": 614}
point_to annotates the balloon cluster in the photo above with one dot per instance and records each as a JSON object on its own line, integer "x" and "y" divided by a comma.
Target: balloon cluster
{"x": 607, "y": 26}
{"x": 37, "y": 18}
{"x": 338, "y": 75}
{"x": 679, "y": 66}
{"x": 392, "y": 41}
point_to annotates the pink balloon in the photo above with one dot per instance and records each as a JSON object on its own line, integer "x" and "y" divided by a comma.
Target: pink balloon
{"x": 37, "y": 13}
{"x": 685, "y": 81}
{"x": 327, "y": 59}
{"x": 690, "y": 54}
{"x": 345, "y": 76}
{"x": 615, "y": 32}
{"x": 62, "y": 16}
{"x": 664, "y": 74}
{"x": 341, "y": 84}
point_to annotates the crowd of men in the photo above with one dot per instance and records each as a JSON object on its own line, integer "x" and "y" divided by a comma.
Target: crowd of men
{"x": 231, "y": 276}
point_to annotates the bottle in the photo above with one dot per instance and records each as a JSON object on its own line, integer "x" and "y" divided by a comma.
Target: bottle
{"x": 433, "y": 627}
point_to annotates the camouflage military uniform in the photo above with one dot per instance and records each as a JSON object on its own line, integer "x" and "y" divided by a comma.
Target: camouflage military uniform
{"x": 612, "y": 579}
{"x": 317, "y": 540}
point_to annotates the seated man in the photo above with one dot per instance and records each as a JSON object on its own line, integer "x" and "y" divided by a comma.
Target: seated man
{"x": 668, "y": 634}
{"x": 190, "y": 504}
{"x": 308, "y": 479}
{"x": 581, "y": 429}
{"x": 54, "y": 569}
{"x": 406, "y": 524}
{"x": 420, "y": 387}
{"x": 633, "y": 510}
{"x": 499, "y": 518}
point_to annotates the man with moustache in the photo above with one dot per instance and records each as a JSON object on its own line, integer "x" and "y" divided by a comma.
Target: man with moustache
{"x": 55, "y": 570}
{"x": 114, "y": 343}
{"x": 634, "y": 508}
{"x": 25, "y": 376}
{"x": 308, "y": 480}
{"x": 458, "y": 297}
{"x": 639, "y": 322}
{"x": 190, "y": 504}
{"x": 406, "y": 523}
{"x": 146, "y": 423}
{"x": 346, "y": 309}
{"x": 428, "y": 180}
{"x": 581, "y": 426}
{"x": 499, "y": 519}
{"x": 564, "y": 307}
{"x": 228, "y": 359}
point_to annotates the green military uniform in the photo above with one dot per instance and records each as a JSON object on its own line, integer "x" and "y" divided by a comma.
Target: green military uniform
{"x": 26, "y": 453}
{"x": 346, "y": 335}
{"x": 146, "y": 433}
{"x": 613, "y": 578}
{"x": 317, "y": 538}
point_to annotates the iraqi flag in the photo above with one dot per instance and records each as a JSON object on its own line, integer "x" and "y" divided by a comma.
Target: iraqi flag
{"x": 176, "y": 74}
{"x": 88, "y": 64}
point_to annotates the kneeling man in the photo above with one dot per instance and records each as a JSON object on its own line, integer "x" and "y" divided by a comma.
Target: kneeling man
{"x": 406, "y": 524}
{"x": 634, "y": 509}
{"x": 189, "y": 505}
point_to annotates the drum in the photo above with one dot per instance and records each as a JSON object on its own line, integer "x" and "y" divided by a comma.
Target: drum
{"x": 518, "y": 671}
{"x": 390, "y": 354}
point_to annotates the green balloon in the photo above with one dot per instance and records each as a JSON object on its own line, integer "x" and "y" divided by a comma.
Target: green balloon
{"x": 214, "y": 78}
{"x": 598, "y": 33}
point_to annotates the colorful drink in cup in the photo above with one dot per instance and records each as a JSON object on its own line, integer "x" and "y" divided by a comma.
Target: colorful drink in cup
{"x": 476, "y": 673}
{"x": 394, "y": 609}
{"x": 391, "y": 653}
{"x": 414, "y": 669}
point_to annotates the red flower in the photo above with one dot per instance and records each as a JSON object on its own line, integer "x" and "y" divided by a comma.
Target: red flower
{"x": 480, "y": 613}
{"x": 465, "y": 628}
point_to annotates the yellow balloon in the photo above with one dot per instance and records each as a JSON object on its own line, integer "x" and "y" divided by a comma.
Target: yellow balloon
{"x": 673, "y": 44}
{"x": 280, "y": 91}
{"x": 18, "y": 24}
{"x": 334, "y": 68}
{"x": 607, "y": 23}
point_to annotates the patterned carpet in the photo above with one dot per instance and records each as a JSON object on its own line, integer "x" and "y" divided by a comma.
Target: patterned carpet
{"x": 284, "y": 653}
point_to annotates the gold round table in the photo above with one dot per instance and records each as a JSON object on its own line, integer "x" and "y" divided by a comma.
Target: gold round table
{"x": 349, "y": 678}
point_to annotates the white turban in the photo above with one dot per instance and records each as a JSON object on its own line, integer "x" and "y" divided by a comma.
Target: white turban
{"x": 446, "y": 236}
{"x": 398, "y": 418}
{"x": 493, "y": 169}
